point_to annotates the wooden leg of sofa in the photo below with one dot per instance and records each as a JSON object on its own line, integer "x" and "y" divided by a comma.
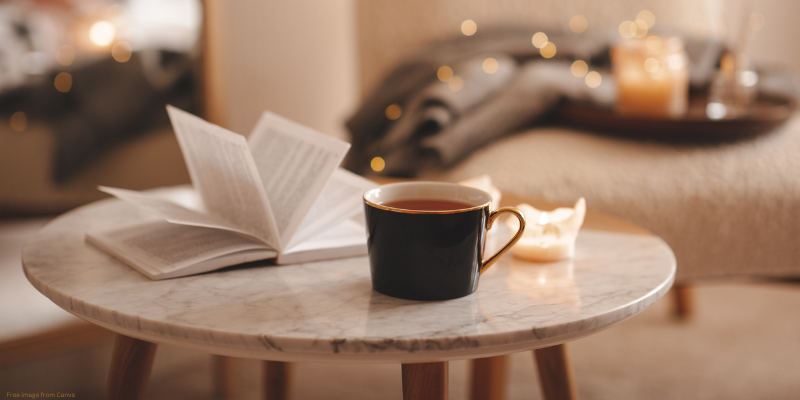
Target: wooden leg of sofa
{"x": 489, "y": 378}
{"x": 425, "y": 381}
{"x": 226, "y": 371}
{"x": 131, "y": 363}
{"x": 276, "y": 380}
{"x": 684, "y": 301}
{"x": 555, "y": 373}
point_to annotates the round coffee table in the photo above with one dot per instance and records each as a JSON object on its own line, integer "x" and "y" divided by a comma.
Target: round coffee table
{"x": 328, "y": 312}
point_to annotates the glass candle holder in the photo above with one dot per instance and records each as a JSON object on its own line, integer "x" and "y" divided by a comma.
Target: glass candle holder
{"x": 652, "y": 76}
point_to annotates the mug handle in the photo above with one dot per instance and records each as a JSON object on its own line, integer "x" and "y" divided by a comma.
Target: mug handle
{"x": 496, "y": 213}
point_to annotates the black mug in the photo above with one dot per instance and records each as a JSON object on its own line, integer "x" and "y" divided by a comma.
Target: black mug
{"x": 426, "y": 239}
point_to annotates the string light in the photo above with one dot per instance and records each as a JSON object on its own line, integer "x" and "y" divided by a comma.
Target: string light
{"x": 455, "y": 84}
{"x": 444, "y": 73}
{"x": 377, "y": 164}
{"x": 578, "y": 23}
{"x": 579, "y": 68}
{"x": 647, "y": 17}
{"x": 539, "y": 39}
{"x": 65, "y": 55}
{"x": 102, "y": 33}
{"x": 121, "y": 52}
{"x": 19, "y": 121}
{"x": 548, "y": 51}
{"x": 593, "y": 79}
{"x": 490, "y": 65}
{"x": 393, "y": 112}
{"x": 63, "y": 82}
{"x": 469, "y": 27}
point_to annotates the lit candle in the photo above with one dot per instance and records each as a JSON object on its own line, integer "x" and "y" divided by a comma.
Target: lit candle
{"x": 553, "y": 237}
{"x": 652, "y": 76}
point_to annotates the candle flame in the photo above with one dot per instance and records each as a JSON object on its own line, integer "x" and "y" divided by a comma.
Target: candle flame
{"x": 543, "y": 219}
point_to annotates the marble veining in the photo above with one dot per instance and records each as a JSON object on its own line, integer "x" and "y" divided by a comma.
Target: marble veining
{"x": 327, "y": 311}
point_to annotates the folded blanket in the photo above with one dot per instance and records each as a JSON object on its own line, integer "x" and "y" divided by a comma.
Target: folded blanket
{"x": 439, "y": 126}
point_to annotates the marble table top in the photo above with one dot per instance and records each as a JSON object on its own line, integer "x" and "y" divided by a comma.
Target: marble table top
{"x": 328, "y": 312}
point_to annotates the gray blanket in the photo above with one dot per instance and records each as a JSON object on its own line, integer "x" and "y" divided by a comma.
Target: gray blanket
{"x": 439, "y": 126}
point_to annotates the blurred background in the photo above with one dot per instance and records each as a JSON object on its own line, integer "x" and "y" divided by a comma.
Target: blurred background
{"x": 83, "y": 84}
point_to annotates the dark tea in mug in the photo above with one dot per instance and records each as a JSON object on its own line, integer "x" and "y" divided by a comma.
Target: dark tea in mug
{"x": 426, "y": 239}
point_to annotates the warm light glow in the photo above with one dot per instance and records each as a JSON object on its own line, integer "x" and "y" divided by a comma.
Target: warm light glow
{"x": 65, "y": 55}
{"x": 121, "y": 52}
{"x": 102, "y": 33}
{"x": 578, "y": 23}
{"x": 19, "y": 121}
{"x": 648, "y": 17}
{"x": 455, "y": 84}
{"x": 543, "y": 219}
{"x": 490, "y": 65}
{"x": 716, "y": 110}
{"x": 749, "y": 78}
{"x": 393, "y": 112}
{"x": 627, "y": 29}
{"x": 444, "y": 73}
{"x": 651, "y": 65}
{"x": 548, "y": 51}
{"x": 63, "y": 82}
{"x": 757, "y": 21}
{"x": 579, "y": 68}
{"x": 641, "y": 28}
{"x": 593, "y": 79}
{"x": 539, "y": 39}
{"x": 377, "y": 164}
{"x": 469, "y": 27}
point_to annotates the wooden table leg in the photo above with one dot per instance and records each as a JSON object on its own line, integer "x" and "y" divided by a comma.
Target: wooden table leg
{"x": 276, "y": 380}
{"x": 130, "y": 368}
{"x": 555, "y": 373}
{"x": 425, "y": 381}
{"x": 226, "y": 371}
{"x": 684, "y": 301}
{"x": 489, "y": 378}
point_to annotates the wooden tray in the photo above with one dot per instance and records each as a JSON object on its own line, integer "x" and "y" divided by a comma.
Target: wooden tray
{"x": 765, "y": 115}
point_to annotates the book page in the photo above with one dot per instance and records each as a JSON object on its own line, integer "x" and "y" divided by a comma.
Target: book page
{"x": 345, "y": 239}
{"x": 341, "y": 198}
{"x": 160, "y": 249}
{"x": 172, "y": 212}
{"x": 294, "y": 163}
{"x": 224, "y": 174}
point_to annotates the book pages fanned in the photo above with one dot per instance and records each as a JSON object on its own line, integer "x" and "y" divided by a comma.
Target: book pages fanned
{"x": 278, "y": 195}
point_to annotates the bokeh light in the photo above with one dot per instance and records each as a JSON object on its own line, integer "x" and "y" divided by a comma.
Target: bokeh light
{"x": 548, "y": 51}
{"x": 63, "y": 82}
{"x": 444, "y": 73}
{"x": 539, "y": 39}
{"x": 647, "y": 17}
{"x": 627, "y": 29}
{"x": 593, "y": 79}
{"x": 469, "y": 27}
{"x": 651, "y": 65}
{"x": 641, "y": 28}
{"x": 121, "y": 51}
{"x": 490, "y": 65}
{"x": 393, "y": 112}
{"x": 578, "y": 23}
{"x": 377, "y": 164}
{"x": 19, "y": 121}
{"x": 102, "y": 33}
{"x": 579, "y": 68}
{"x": 65, "y": 55}
{"x": 455, "y": 84}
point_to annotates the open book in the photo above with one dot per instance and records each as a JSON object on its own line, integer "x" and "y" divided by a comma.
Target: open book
{"x": 278, "y": 194}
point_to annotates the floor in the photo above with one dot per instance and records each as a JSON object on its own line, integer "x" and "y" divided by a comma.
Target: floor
{"x": 743, "y": 343}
